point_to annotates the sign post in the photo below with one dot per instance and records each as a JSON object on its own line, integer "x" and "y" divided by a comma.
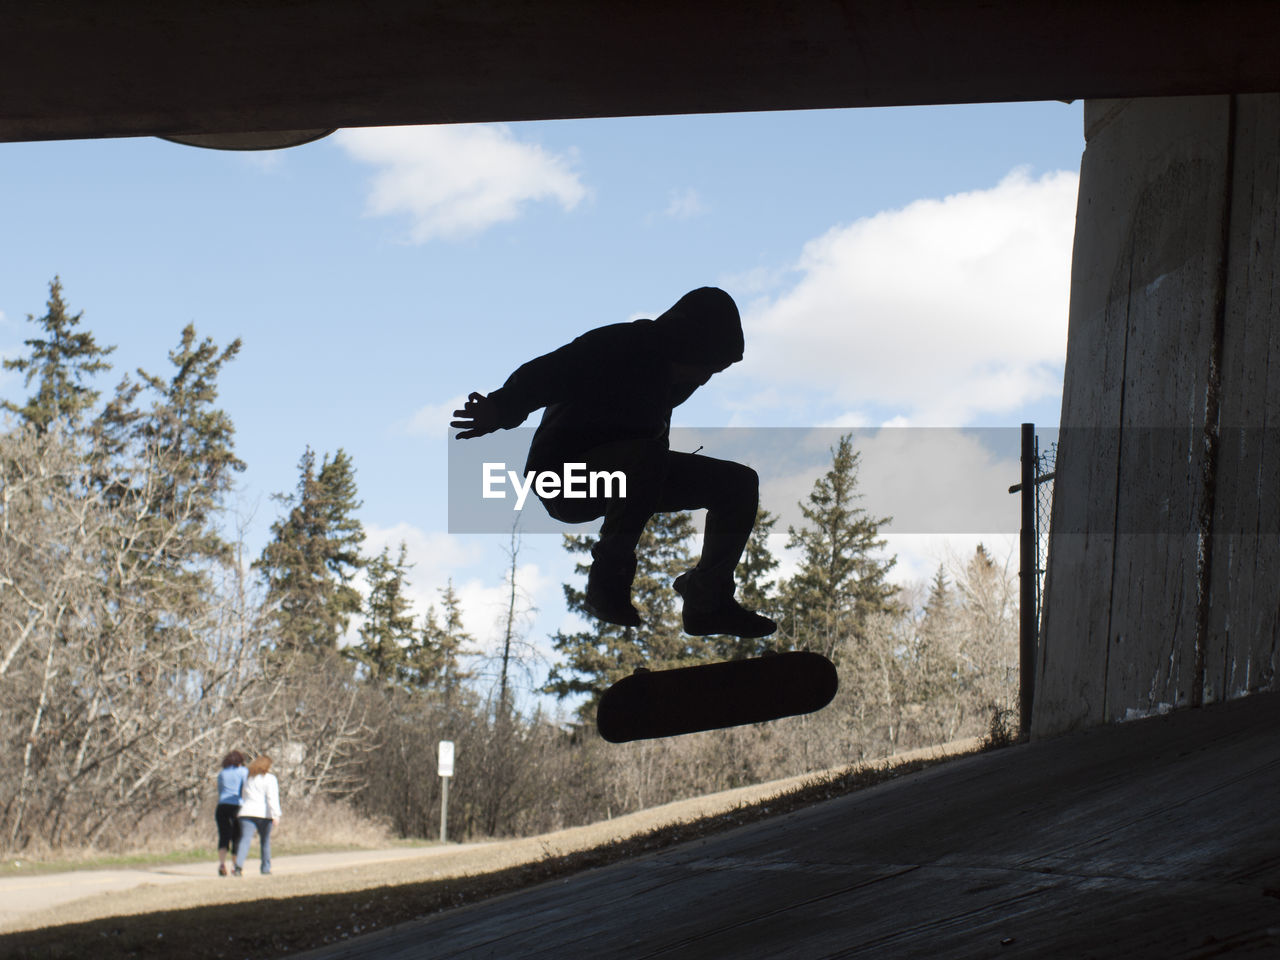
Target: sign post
{"x": 445, "y": 769}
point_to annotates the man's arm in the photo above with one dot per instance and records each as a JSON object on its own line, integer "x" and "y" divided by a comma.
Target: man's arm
{"x": 550, "y": 378}
{"x": 478, "y": 416}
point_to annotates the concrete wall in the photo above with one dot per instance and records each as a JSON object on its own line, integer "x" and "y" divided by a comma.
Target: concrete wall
{"x": 1163, "y": 584}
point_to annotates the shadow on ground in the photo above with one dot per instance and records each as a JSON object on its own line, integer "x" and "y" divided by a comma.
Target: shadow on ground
{"x": 1155, "y": 838}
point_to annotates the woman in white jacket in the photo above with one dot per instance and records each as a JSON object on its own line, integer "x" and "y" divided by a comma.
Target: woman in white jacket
{"x": 259, "y": 811}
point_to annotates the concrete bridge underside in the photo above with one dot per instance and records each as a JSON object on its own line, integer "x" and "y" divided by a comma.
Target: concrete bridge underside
{"x": 82, "y": 68}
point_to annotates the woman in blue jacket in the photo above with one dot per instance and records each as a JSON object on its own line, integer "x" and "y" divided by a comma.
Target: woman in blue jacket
{"x": 227, "y": 815}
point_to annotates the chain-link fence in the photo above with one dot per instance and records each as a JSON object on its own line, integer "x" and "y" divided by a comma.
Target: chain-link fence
{"x": 1046, "y": 465}
{"x": 1036, "y": 489}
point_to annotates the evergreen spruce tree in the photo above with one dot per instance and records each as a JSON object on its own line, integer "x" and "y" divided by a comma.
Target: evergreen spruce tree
{"x": 939, "y": 601}
{"x": 934, "y": 654}
{"x": 594, "y": 658}
{"x": 166, "y": 469}
{"x": 841, "y": 580}
{"x": 312, "y": 556}
{"x": 938, "y": 615}
{"x": 433, "y": 658}
{"x": 61, "y": 362}
{"x": 989, "y": 603}
{"x": 388, "y": 628}
{"x": 194, "y": 440}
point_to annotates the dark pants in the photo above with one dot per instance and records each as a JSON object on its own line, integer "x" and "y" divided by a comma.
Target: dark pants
{"x": 663, "y": 481}
{"x": 227, "y": 818}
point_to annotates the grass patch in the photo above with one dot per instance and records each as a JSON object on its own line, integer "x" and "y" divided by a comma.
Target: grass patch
{"x": 279, "y": 926}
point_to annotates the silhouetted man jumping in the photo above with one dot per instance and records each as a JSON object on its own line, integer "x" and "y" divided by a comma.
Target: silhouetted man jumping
{"x": 608, "y": 397}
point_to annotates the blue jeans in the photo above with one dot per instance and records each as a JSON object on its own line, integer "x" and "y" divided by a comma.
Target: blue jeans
{"x": 247, "y": 827}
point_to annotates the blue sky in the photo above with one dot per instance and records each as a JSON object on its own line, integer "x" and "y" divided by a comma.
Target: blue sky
{"x": 902, "y": 266}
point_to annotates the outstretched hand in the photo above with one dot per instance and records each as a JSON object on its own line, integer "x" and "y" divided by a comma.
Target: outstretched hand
{"x": 477, "y": 417}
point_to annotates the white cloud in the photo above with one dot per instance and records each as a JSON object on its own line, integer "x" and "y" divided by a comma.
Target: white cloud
{"x": 929, "y": 481}
{"x": 685, "y": 204}
{"x": 263, "y": 161}
{"x": 942, "y": 310}
{"x": 939, "y": 481}
{"x": 920, "y": 555}
{"x": 484, "y": 603}
{"x": 916, "y": 556}
{"x": 754, "y": 282}
{"x": 852, "y": 420}
{"x": 433, "y": 419}
{"x": 455, "y": 181}
{"x": 437, "y": 558}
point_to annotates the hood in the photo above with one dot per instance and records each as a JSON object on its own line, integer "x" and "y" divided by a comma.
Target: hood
{"x": 704, "y": 327}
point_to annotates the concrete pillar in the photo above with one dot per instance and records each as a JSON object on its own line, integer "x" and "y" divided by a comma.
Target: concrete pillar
{"x": 1243, "y": 623}
{"x": 1155, "y": 599}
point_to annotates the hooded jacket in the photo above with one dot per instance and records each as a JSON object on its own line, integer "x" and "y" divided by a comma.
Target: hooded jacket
{"x": 615, "y": 382}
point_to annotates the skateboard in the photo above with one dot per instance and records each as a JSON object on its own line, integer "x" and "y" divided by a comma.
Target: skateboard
{"x": 667, "y": 703}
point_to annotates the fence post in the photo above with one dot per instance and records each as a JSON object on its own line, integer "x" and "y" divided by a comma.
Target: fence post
{"x": 1028, "y": 573}
{"x": 444, "y": 809}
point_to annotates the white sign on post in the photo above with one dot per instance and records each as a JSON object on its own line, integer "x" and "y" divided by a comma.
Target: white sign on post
{"x": 445, "y": 767}
{"x": 446, "y": 758}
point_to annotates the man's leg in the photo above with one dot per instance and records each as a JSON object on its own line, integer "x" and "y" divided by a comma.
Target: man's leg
{"x": 643, "y": 463}
{"x": 660, "y": 480}
{"x": 730, "y": 492}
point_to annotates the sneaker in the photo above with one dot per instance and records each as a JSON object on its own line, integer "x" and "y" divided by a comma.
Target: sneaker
{"x": 725, "y": 616}
{"x": 237, "y": 872}
{"x": 609, "y": 597}
{"x": 222, "y": 869}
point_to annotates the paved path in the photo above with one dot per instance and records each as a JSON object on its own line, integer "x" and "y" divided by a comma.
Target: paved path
{"x": 1156, "y": 838}
{"x": 20, "y": 895}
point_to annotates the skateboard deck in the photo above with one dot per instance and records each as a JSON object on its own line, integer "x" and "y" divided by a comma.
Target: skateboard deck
{"x": 667, "y": 703}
